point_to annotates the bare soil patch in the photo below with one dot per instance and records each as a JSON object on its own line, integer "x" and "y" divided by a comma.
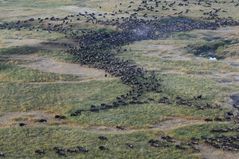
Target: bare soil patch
{"x": 208, "y": 152}
{"x": 175, "y": 123}
{"x": 76, "y": 9}
{"x": 20, "y": 42}
{"x": 170, "y": 123}
{"x": 29, "y": 118}
{"x": 46, "y": 64}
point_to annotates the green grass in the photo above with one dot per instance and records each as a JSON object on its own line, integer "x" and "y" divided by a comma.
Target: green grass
{"x": 36, "y": 4}
{"x": 22, "y": 142}
{"x": 154, "y": 59}
{"x": 221, "y": 43}
{"x": 189, "y": 87}
{"x": 61, "y": 98}
{"x": 212, "y": 49}
{"x": 27, "y": 34}
{"x": 17, "y": 94}
{"x": 28, "y": 8}
{"x": 25, "y": 50}
{"x": 199, "y": 131}
{"x": 57, "y": 55}
{"x": 143, "y": 116}
{"x": 13, "y": 38}
{"x": 182, "y": 74}
{"x": 13, "y": 73}
{"x": 23, "y": 90}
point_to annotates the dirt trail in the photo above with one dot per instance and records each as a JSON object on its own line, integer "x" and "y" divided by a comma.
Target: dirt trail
{"x": 165, "y": 126}
{"x": 209, "y": 152}
{"x": 13, "y": 118}
{"x": 30, "y": 118}
{"x": 73, "y": 82}
{"x": 174, "y": 123}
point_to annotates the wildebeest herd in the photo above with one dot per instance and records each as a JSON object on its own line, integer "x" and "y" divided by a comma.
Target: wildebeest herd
{"x": 99, "y": 49}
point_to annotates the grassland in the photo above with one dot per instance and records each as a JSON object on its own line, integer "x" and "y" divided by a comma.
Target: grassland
{"x": 76, "y": 137}
{"x": 25, "y": 90}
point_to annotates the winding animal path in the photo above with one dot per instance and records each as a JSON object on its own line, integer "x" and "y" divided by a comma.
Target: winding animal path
{"x": 12, "y": 118}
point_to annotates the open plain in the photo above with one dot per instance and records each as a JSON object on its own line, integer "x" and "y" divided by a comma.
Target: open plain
{"x": 119, "y": 79}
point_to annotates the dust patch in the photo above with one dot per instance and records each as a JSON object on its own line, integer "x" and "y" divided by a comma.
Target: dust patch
{"x": 209, "y": 152}
{"x": 46, "y": 64}
{"x": 7, "y": 43}
{"x": 175, "y": 123}
{"x": 76, "y": 9}
{"x": 170, "y": 123}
